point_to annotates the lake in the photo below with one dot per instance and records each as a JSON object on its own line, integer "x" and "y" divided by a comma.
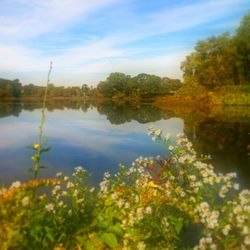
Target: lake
{"x": 100, "y": 136}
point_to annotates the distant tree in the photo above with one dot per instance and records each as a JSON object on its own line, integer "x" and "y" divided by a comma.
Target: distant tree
{"x": 214, "y": 62}
{"x": 116, "y": 82}
{"x": 242, "y": 41}
{"x": 10, "y": 88}
{"x": 169, "y": 85}
{"x": 17, "y": 88}
{"x": 221, "y": 60}
{"x": 85, "y": 90}
{"x": 149, "y": 85}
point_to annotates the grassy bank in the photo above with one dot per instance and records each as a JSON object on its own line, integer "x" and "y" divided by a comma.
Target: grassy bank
{"x": 200, "y": 97}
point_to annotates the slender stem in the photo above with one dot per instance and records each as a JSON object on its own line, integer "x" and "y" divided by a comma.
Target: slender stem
{"x": 43, "y": 118}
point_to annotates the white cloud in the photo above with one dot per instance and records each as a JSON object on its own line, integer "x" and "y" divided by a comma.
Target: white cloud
{"x": 163, "y": 65}
{"x": 39, "y": 17}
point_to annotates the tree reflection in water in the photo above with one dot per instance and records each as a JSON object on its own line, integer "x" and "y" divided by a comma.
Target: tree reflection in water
{"x": 222, "y": 133}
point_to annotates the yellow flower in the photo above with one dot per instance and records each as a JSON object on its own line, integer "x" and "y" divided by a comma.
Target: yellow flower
{"x": 152, "y": 184}
{"x": 36, "y": 146}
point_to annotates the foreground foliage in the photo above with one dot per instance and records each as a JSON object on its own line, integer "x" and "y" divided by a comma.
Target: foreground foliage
{"x": 154, "y": 204}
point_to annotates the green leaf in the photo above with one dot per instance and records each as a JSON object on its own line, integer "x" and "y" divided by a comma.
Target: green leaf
{"x": 177, "y": 223}
{"x": 49, "y": 233}
{"x": 109, "y": 239}
{"x": 116, "y": 229}
{"x": 90, "y": 246}
{"x": 103, "y": 224}
{"x": 44, "y": 150}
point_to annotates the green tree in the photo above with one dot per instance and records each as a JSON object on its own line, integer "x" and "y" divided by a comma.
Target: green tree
{"x": 214, "y": 62}
{"x": 85, "y": 90}
{"x": 17, "y": 88}
{"x": 242, "y": 41}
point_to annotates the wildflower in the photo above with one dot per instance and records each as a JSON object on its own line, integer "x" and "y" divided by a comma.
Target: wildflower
{"x": 247, "y": 240}
{"x": 79, "y": 169}
{"x": 36, "y": 146}
{"x": 192, "y": 177}
{"x": 49, "y": 207}
{"x": 148, "y": 210}
{"x": 59, "y": 174}
{"x": 226, "y": 229}
{"x": 106, "y": 175}
{"x": 56, "y": 189}
{"x": 104, "y": 186}
{"x": 170, "y": 147}
{"x": 114, "y": 196}
{"x": 79, "y": 201}
{"x": 158, "y": 132}
{"x": 25, "y": 201}
{"x": 60, "y": 204}
{"x": 92, "y": 190}
{"x": 213, "y": 246}
{"x": 182, "y": 194}
{"x": 141, "y": 245}
{"x": 179, "y": 135}
{"x": 42, "y": 197}
{"x": 245, "y": 230}
{"x": 15, "y": 184}
{"x": 70, "y": 185}
{"x": 127, "y": 205}
{"x": 236, "y": 186}
{"x": 76, "y": 192}
{"x": 64, "y": 193}
{"x": 152, "y": 184}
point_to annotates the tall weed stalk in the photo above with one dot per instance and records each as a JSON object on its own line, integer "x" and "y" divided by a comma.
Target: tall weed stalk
{"x": 40, "y": 147}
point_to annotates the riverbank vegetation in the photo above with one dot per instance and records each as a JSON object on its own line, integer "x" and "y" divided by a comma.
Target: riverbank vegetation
{"x": 217, "y": 72}
{"x": 172, "y": 202}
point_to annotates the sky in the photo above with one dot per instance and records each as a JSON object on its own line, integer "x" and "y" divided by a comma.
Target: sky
{"x": 87, "y": 40}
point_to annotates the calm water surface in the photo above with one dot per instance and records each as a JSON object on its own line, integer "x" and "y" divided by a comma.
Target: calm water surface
{"x": 99, "y": 137}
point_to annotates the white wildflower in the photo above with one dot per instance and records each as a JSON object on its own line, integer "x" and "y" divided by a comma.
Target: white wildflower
{"x": 226, "y": 229}
{"x": 15, "y": 184}
{"x": 25, "y": 201}
{"x": 49, "y": 207}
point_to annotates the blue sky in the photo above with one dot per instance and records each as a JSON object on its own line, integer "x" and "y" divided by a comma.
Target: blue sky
{"x": 87, "y": 40}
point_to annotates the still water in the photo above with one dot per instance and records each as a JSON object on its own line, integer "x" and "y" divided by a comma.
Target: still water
{"x": 99, "y": 137}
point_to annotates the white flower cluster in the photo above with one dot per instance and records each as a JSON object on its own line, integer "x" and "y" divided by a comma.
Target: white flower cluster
{"x": 210, "y": 218}
{"x": 15, "y": 184}
{"x": 79, "y": 170}
{"x": 104, "y": 185}
{"x": 206, "y": 243}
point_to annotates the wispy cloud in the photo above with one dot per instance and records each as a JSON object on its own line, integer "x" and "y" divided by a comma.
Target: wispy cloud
{"x": 39, "y": 17}
{"x": 85, "y": 38}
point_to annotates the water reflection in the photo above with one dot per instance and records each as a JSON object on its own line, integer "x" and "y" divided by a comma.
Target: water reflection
{"x": 128, "y": 112}
{"x": 102, "y": 135}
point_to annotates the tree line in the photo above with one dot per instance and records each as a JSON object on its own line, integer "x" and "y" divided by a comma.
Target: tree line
{"x": 15, "y": 89}
{"x": 222, "y": 60}
{"x": 143, "y": 85}
{"x": 116, "y": 85}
